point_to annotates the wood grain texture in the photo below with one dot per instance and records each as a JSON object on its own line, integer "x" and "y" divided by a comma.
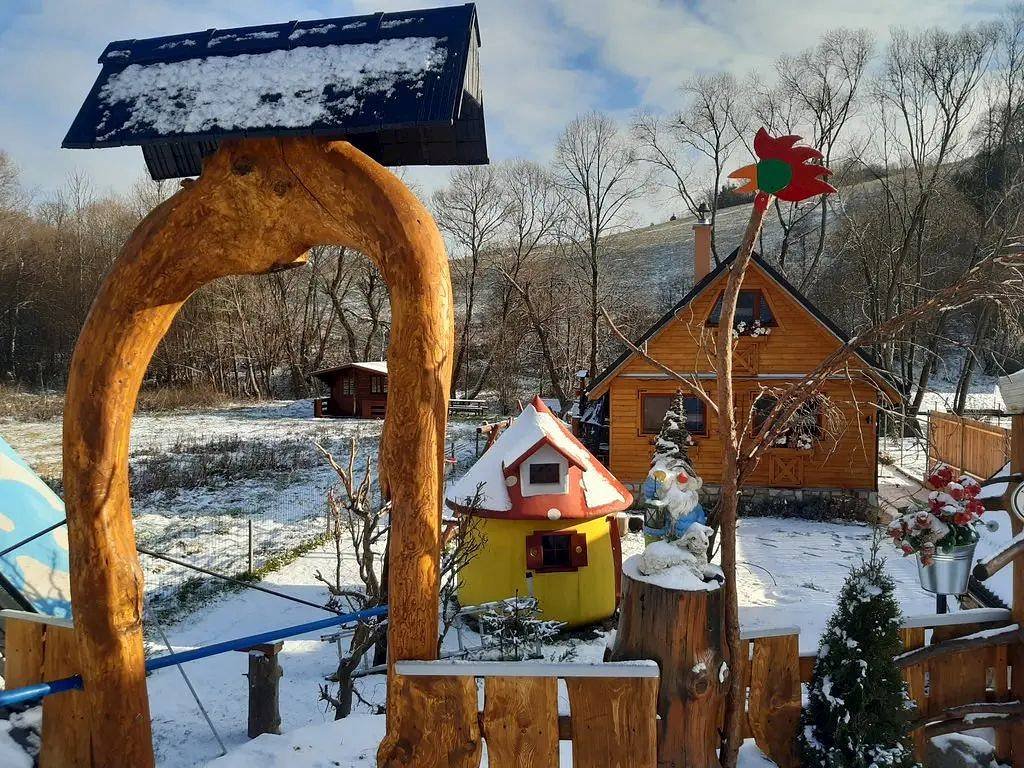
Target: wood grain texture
{"x": 436, "y": 725}
{"x": 613, "y": 722}
{"x": 66, "y": 734}
{"x": 915, "y": 677}
{"x": 23, "y": 653}
{"x": 259, "y": 205}
{"x": 1016, "y": 733}
{"x": 683, "y": 632}
{"x": 774, "y": 700}
{"x": 520, "y": 722}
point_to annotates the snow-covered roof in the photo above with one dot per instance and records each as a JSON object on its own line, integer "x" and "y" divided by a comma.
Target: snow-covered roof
{"x": 373, "y": 366}
{"x": 404, "y": 87}
{"x": 536, "y": 426}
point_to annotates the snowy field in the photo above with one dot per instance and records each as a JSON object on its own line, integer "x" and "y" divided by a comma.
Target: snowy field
{"x": 203, "y": 481}
{"x": 790, "y": 574}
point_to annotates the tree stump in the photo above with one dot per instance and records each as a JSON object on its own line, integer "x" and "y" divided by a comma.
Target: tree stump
{"x": 264, "y": 689}
{"x": 683, "y": 631}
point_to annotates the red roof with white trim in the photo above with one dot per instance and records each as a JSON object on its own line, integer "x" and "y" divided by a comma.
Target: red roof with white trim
{"x": 588, "y": 489}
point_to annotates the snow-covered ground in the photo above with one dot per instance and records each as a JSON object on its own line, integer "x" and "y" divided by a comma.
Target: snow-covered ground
{"x": 791, "y": 574}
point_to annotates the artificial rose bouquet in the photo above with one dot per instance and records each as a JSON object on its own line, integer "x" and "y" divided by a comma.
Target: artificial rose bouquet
{"x": 950, "y": 520}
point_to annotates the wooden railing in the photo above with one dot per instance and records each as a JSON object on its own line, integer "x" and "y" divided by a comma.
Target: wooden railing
{"x": 967, "y": 445}
{"x": 610, "y": 718}
{"x": 467, "y": 407}
{"x": 776, "y": 669}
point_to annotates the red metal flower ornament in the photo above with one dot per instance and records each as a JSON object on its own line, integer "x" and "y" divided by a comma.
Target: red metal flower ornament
{"x": 784, "y": 169}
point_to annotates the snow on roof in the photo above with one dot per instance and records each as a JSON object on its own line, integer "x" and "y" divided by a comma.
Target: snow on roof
{"x": 290, "y": 88}
{"x": 534, "y": 425}
{"x": 376, "y": 366}
{"x": 403, "y": 87}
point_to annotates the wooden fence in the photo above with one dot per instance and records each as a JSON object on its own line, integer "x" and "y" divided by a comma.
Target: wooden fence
{"x": 967, "y": 445}
{"x": 610, "y": 722}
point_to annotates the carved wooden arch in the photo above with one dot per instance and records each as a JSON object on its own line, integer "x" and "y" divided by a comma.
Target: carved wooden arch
{"x": 259, "y": 205}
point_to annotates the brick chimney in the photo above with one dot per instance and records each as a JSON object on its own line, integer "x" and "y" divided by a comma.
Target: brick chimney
{"x": 701, "y": 245}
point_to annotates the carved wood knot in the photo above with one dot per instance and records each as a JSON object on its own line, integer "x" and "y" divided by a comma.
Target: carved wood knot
{"x": 242, "y": 167}
{"x": 281, "y": 188}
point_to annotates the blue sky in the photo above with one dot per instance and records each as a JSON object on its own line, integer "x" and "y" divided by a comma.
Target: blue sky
{"x": 543, "y": 61}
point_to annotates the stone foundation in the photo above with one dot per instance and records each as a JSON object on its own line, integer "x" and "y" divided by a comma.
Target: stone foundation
{"x": 753, "y": 498}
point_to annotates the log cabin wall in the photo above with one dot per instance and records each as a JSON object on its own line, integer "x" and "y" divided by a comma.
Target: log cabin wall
{"x": 797, "y": 343}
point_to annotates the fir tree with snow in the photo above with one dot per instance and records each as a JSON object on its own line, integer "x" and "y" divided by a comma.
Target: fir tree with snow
{"x": 856, "y": 714}
{"x": 673, "y": 440}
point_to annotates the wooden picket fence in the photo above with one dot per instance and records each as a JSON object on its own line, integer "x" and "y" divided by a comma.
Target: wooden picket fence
{"x": 967, "y": 445}
{"x": 611, "y": 719}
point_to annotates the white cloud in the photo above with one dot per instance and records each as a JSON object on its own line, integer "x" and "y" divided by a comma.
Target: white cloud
{"x": 543, "y": 61}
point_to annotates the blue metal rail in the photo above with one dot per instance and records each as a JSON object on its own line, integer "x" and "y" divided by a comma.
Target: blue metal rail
{"x": 35, "y": 692}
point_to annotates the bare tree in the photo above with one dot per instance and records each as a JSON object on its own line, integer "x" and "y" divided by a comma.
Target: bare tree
{"x": 357, "y": 531}
{"x": 470, "y": 210}
{"x": 597, "y": 169}
{"x": 703, "y": 134}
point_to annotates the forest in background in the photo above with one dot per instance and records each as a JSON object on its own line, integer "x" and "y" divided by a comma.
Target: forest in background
{"x": 925, "y": 136}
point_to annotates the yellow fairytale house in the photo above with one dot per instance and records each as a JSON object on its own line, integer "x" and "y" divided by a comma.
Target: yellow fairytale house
{"x": 547, "y": 509}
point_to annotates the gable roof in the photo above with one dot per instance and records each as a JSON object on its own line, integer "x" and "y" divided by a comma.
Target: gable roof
{"x": 534, "y": 427}
{"x": 373, "y": 366}
{"x": 600, "y": 383}
{"x": 403, "y": 87}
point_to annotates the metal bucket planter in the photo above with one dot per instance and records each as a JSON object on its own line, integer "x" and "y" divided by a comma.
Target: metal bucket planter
{"x": 949, "y": 571}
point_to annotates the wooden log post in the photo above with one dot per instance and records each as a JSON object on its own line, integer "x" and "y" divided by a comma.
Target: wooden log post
{"x": 259, "y": 206}
{"x": 1016, "y": 654}
{"x": 264, "y": 688}
{"x": 683, "y": 632}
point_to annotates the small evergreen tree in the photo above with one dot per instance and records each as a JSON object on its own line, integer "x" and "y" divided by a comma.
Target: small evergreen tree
{"x": 857, "y": 710}
{"x": 673, "y": 440}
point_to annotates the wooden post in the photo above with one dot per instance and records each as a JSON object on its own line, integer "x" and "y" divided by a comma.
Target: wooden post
{"x": 264, "y": 688}
{"x": 40, "y": 648}
{"x": 1016, "y": 735}
{"x": 259, "y": 206}
{"x": 682, "y": 631}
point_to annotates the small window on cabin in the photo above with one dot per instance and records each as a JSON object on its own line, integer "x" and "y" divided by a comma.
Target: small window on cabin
{"x": 378, "y": 385}
{"x": 805, "y": 425}
{"x": 348, "y": 386}
{"x": 751, "y": 306}
{"x": 556, "y": 551}
{"x": 544, "y": 473}
{"x": 653, "y": 408}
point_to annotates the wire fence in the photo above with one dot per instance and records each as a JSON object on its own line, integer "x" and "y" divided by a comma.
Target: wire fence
{"x": 245, "y": 543}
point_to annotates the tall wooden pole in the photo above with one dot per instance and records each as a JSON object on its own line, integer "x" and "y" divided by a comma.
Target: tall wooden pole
{"x": 258, "y": 206}
{"x": 729, "y": 499}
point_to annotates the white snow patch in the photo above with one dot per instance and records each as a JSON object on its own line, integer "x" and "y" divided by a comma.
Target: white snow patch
{"x": 282, "y": 88}
{"x": 321, "y": 30}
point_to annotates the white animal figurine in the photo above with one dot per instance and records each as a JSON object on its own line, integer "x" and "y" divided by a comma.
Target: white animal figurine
{"x": 690, "y": 551}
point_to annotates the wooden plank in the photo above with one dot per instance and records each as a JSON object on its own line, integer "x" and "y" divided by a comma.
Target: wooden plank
{"x": 66, "y": 727}
{"x": 23, "y": 653}
{"x": 526, "y": 669}
{"x": 520, "y": 722}
{"x": 438, "y": 722}
{"x": 915, "y": 677}
{"x": 807, "y": 667}
{"x": 774, "y": 703}
{"x": 613, "y": 722}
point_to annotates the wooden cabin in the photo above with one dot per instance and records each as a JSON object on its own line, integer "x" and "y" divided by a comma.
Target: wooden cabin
{"x": 357, "y": 391}
{"x": 547, "y": 511}
{"x": 782, "y": 337}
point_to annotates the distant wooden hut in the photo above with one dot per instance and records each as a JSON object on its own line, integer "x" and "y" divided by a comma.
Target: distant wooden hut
{"x": 357, "y": 390}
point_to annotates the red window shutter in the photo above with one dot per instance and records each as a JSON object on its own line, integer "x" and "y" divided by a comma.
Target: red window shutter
{"x": 578, "y": 550}
{"x": 534, "y": 552}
